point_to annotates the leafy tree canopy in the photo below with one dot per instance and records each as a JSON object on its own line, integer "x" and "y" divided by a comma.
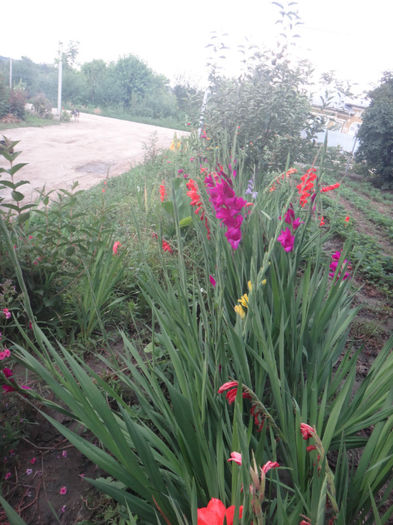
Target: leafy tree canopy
{"x": 376, "y": 132}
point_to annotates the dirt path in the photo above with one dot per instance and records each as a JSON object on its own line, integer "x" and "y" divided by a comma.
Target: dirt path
{"x": 86, "y": 151}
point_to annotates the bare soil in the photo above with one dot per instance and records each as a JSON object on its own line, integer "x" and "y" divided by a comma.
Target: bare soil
{"x": 86, "y": 150}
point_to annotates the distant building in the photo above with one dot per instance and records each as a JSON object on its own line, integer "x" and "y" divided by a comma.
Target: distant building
{"x": 342, "y": 121}
{"x": 345, "y": 119}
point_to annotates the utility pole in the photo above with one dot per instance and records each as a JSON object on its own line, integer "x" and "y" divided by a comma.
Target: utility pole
{"x": 60, "y": 80}
{"x": 10, "y": 73}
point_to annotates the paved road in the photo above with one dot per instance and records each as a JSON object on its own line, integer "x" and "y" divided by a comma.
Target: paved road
{"x": 88, "y": 151}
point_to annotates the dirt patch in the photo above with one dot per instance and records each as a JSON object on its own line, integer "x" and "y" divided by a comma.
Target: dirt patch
{"x": 57, "y": 156}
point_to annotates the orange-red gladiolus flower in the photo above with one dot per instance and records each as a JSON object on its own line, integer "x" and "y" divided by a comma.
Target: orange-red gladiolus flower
{"x": 215, "y": 512}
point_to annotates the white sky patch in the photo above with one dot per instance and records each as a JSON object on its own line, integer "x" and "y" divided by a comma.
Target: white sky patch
{"x": 352, "y": 37}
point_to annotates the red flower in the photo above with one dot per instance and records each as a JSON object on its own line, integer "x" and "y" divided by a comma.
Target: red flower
{"x": 306, "y": 430}
{"x": 166, "y": 247}
{"x": 347, "y": 218}
{"x": 215, "y": 512}
{"x": 116, "y": 246}
{"x": 306, "y": 185}
{"x": 330, "y": 188}
{"x": 162, "y": 192}
{"x": 231, "y": 386}
{"x": 193, "y": 193}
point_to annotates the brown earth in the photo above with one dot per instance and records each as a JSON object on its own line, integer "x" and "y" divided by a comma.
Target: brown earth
{"x": 87, "y": 150}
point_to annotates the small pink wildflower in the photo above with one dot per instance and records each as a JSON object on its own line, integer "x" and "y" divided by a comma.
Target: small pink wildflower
{"x": 63, "y": 491}
{"x": 7, "y": 313}
{"x": 64, "y": 454}
{"x": 8, "y": 475}
{"x": 29, "y": 471}
{"x": 63, "y": 508}
{"x": 236, "y": 457}
{"x": 33, "y": 460}
{"x": 2, "y": 356}
{"x": 212, "y": 280}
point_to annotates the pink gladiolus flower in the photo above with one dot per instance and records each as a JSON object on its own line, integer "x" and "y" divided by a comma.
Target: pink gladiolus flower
{"x": 2, "y": 356}
{"x": 63, "y": 491}
{"x": 296, "y": 223}
{"x": 212, "y": 280}
{"x": 7, "y": 313}
{"x": 268, "y": 466}
{"x": 227, "y": 205}
{"x": 236, "y": 457}
{"x": 7, "y": 372}
{"x": 306, "y": 430}
{"x": 215, "y": 513}
{"x": 116, "y": 246}
{"x": 334, "y": 263}
{"x": 286, "y": 239}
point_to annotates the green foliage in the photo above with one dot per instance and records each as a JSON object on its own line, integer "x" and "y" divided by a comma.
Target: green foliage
{"x": 42, "y": 106}
{"x": 165, "y": 433}
{"x": 376, "y": 132}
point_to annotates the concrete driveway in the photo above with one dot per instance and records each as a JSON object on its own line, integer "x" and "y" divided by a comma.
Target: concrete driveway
{"x": 88, "y": 151}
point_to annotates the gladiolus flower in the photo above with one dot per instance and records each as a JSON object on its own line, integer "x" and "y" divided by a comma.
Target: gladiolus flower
{"x": 322, "y": 223}
{"x": 166, "y": 247}
{"x": 116, "y": 246}
{"x": 239, "y": 310}
{"x": 306, "y": 185}
{"x": 310, "y": 448}
{"x": 268, "y": 466}
{"x": 334, "y": 263}
{"x": 330, "y": 188}
{"x": 215, "y": 513}
{"x": 212, "y": 280}
{"x": 286, "y": 239}
{"x": 162, "y": 192}
{"x": 347, "y": 219}
{"x": 236, "y": 457}
{"x": 63, "y": 491}
{"x": 7, "y": 313}
{"x": 231, "y": 391}
{"x": 306, "y": 430}
{"x": 196, "y": 202}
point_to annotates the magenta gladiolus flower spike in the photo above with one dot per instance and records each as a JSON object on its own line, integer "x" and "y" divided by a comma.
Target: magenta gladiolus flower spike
{"x": 286, "y": 239}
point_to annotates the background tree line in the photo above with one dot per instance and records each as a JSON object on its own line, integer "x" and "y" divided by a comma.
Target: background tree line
{"x": 127, "y": 84}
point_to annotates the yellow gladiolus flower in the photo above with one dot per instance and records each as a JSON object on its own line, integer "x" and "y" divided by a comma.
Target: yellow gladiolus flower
{"x": 239, "y": 310}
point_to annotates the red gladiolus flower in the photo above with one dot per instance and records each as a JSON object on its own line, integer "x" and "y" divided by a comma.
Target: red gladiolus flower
{"x": 162, "y": 192}
{"x": 330, "y": 188}
{"x": 306, "y": 430}
{"x": 215, "y": 512}
{"x": 166, "y": 247}
{"x": 231, "y": 389}
{"x": 347, "y": 219}
{"x": 306, "y": 185}
{"x": 196, "y": 202}
{"x": 116, "y": 246}
{"x": 310, "y": 448}
{"x": 322, "y": 223}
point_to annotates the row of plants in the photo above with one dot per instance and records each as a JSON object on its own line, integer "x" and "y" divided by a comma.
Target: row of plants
{"x": 244, "y": 404}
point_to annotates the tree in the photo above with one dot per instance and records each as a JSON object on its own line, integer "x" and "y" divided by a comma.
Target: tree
{"x": 376, "y": 132}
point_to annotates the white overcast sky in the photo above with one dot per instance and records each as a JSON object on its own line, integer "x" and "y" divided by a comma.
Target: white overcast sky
{"x": 352, "y": 37}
